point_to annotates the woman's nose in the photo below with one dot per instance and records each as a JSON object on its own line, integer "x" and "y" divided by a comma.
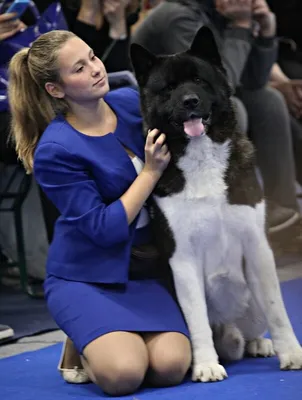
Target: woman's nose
{"x": 95, "y": 72}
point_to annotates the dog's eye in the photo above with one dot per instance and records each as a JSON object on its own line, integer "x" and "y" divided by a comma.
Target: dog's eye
{"x": 171, "y": 86}
{"x": 196, "y": 79}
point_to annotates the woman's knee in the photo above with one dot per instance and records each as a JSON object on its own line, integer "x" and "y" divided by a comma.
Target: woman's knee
{"x": 117, "y": 362}
{"x": 169, "y": 363}
{"x": 119, "y": 378}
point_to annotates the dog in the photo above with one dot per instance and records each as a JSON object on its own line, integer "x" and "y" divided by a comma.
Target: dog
{"x": 209, "y": 212}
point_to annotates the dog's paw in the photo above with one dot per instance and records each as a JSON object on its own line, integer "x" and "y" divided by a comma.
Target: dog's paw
{"x": 208, "y": 372}
{"x": 291, "y": 360}
{"x": 260, "y": 347}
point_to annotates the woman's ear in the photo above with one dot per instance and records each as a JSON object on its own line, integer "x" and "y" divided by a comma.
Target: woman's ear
{"x": 55, "y": 90}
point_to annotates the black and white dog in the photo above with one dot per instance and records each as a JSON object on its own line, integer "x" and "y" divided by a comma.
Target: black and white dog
{"x": 210, "y": 213}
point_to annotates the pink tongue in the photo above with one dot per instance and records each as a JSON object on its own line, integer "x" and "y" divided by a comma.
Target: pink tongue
{"x": 194, "y": 127}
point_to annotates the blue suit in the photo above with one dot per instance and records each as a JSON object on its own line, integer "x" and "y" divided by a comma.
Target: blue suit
{"x": 84, "y": 176}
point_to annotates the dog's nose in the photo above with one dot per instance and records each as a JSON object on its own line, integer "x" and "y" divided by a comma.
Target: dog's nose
{"x": 190, "y": 100}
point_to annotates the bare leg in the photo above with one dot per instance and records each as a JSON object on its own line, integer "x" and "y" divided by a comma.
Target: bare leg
{"x": 117, "y": 362}
{"x": 170, "y": 358}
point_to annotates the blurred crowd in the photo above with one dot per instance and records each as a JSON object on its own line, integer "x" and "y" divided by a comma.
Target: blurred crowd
{"x": 261, "y": 45}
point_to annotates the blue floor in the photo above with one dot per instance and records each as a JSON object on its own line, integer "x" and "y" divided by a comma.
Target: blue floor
{"x": 33, "y": 376}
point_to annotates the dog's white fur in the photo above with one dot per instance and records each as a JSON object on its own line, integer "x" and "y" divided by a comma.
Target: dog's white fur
{"x": 217, "y": 295}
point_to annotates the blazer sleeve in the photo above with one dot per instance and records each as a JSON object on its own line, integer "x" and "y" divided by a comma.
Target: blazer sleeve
{"x": 74, "y": 192}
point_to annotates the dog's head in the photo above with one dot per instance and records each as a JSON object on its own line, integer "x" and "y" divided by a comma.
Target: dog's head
{"x": 186, "y": 94}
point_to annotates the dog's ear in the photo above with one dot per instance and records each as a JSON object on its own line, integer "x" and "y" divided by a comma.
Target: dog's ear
{"x": 204, "y": 46}
{"x": 142, "y": 61}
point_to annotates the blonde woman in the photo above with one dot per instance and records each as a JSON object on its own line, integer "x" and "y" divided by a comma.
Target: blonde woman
{"x": 86, "y": 149}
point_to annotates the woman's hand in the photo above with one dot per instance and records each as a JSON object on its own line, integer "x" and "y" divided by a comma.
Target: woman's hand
{"x": 115, "y": 13}
{"x": 157, "y": 155}
{"x": 9, "y": 25}
{"x": 157, "y": 158}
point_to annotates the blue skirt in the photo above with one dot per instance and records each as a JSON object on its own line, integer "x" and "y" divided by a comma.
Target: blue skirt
{"x": 86, "y": 311}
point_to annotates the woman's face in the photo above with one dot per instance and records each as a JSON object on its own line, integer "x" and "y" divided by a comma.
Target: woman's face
{"x": 83, "y": 75}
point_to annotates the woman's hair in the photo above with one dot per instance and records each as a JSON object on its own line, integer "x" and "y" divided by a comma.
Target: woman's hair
{"x": 32, "y": 108}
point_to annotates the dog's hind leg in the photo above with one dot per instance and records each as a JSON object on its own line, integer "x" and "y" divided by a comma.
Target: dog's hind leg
{"x": 260, "y": 347}
{"x": 253, "y": 325}
{"x": 229, "y": 342}
{"x": 263, "y": 282}
{"x": 190, "y": 290}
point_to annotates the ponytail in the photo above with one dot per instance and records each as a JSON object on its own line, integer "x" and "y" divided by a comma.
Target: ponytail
{"x": 32, "y": 108}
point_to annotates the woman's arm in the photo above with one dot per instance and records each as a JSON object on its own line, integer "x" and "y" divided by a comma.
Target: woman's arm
{"x": 75, "y": 194}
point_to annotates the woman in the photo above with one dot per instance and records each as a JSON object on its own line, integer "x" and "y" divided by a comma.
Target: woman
{"x": 86, "y": 149}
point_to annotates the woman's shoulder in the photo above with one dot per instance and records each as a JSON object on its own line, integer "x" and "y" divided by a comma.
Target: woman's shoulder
{"x": 55, "y": 132}
{"x": 60, "y": 132}
{"x": 127, "y": 99}
{"x": 58, "y": 138}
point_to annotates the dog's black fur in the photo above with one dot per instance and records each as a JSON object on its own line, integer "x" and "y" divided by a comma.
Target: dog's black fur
{"x": 165, "y": 83}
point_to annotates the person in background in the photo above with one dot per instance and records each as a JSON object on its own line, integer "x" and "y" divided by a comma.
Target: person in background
{"x": 105, "y": 287}
{"x": 289, "y": 30}
{"x": 9, "y": 26}
{"x": 170, "y": 28}
{"x": 286, "y": 75}
{"x": 105, "y": 25}
{"x": 291, "y": 90}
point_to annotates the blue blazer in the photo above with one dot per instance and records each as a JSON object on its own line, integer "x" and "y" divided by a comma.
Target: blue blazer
{"x": 84, "y": 177}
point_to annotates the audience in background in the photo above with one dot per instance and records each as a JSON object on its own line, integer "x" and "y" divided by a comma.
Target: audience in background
{"x": 246, "y": 32}
{"x": 267, "y": 94}
{"x": 289, "y": 29}
{"x": 105, "y": 26}
{"x": 286, "y": 77}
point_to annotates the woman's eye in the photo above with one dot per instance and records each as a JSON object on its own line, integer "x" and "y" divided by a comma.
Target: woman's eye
{"x": 93, "y": 58}
{"x": 80, "y": 69}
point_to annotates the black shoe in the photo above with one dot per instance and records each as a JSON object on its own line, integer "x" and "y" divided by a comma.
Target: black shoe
{"x": 6, "y": 332}
{"x": 280, "y": 218}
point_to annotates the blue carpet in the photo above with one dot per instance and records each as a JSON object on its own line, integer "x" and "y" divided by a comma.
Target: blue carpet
{"x": 33, "y": 375}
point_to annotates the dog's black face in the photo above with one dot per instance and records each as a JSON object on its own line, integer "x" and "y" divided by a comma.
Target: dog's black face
{"x": 184, "y": 95}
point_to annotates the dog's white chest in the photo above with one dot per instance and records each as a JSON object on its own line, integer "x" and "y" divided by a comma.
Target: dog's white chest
{"x": 204, "y": 165}
{"x": 199, "y": 204}
{"x": 200, "y": 213}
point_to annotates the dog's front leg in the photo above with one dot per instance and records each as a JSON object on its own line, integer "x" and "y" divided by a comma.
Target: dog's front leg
{"x": 263, "y": 281}
{"x": 190, "y": 290}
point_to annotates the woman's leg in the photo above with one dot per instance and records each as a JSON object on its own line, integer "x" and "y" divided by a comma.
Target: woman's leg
{"x": 270, "y": 132}
{"x": 117, "y": 362}
{"x": 169, "y": 358}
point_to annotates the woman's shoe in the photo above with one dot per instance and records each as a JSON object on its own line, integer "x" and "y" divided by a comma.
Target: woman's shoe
{"x": 70, "y": 365}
